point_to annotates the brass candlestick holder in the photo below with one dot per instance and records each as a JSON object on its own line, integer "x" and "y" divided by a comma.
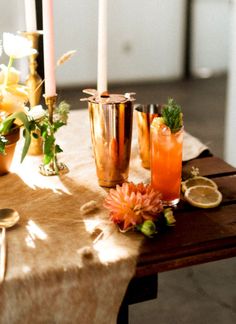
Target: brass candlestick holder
{"x": 51, "y": 104}
{"x": 34, "y": 83}
{"x": 50, "y": 165}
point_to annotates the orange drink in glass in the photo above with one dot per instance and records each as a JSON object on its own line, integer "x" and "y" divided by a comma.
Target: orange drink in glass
{"x": 166, "y": 161}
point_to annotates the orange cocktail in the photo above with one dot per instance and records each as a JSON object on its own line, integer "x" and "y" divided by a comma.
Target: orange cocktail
{"x": 166, "y": 161}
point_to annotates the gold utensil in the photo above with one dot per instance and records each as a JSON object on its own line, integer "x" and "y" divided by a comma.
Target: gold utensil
{"x": 8, "y": 218}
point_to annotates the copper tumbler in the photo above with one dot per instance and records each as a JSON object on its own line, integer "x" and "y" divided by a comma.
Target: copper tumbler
{"x": 111, "y": 118}
{"x": 144, "y": 115}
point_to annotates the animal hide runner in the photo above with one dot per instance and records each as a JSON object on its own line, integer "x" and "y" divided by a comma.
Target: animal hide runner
{"x": 60, "y": 269}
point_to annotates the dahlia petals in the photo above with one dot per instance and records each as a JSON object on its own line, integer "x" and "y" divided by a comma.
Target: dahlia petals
{"x": 131, "y": 204}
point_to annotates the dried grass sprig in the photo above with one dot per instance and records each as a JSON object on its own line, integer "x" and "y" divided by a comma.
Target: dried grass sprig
{"x": 65, "y": 57}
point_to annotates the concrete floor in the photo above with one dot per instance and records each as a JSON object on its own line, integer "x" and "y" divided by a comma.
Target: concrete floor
{"x": 204, "y": 294}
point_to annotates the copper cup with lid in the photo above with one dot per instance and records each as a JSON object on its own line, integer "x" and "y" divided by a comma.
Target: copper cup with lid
{"x": 111, "y": 120}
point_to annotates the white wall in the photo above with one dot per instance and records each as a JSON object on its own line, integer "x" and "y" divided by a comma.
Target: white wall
{"x": 210, "y": 42}
{"x": 9, "y": 15}
{"x": 145, "y": 39}
{"x": 10, "y": 19}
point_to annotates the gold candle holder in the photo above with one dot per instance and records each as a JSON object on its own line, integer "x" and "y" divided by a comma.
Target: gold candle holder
{"x": 51, "y": 104}
{"x": 53, "y": 167}
{"x": 34, "y": 83}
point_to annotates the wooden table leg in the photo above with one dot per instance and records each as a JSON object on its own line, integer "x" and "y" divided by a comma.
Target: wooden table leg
{"x": 140, "y": 289}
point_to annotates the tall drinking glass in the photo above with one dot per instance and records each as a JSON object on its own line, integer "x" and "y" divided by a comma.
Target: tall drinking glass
{"x": 145, "y": 115}
{"x": 166, "y": 162}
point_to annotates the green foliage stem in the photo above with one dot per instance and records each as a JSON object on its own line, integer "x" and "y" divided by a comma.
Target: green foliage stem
{"x": 48, "y": 130}
{"x": 172, "y": 116}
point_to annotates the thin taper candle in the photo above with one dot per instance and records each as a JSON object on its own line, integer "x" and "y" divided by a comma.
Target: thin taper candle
{"x": 30, "y": 16}
{"x": 48, "y": 49}
{"x": 102, "y": 47}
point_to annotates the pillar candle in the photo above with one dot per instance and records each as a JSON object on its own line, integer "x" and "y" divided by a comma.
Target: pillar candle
{"x": 102, "y": 47}
{"x": 48, "y": 49}
{"x": 30, "y": 16}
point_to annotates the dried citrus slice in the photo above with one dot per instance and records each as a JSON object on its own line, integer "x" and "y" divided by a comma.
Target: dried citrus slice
{"x": 203, "y": 196}
{"x": 198, "y": 181}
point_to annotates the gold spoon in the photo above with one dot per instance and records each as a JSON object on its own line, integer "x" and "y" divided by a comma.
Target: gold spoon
{"x": 8, "y": 218}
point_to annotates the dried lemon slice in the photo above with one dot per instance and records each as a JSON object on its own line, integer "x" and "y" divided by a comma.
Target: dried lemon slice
{"x": 198, "y": 181}
{"x": 203, "y": 196}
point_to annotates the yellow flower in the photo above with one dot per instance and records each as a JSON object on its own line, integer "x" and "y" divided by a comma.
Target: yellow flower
{"x": 13, "y": 96}
{"x": 13, "y": 74}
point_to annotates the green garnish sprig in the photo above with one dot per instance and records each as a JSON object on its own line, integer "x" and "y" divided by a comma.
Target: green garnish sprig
{"x": 48, "y": 130}
{"x": 172, "y": 116}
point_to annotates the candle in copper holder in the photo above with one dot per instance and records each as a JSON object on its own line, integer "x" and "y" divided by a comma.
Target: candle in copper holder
{"x": 111, "y": 118}
{"x": 34, "y": 83}
{"x": 52, "y": 167}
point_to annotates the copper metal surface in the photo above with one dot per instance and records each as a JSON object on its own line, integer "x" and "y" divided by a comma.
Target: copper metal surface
{"x": 111, "y": 131}
{"x": 144, "y": 116}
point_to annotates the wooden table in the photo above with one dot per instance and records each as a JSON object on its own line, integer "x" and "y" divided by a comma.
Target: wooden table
{"x": 53, "y": 247}
{"x": 200, "y": 236}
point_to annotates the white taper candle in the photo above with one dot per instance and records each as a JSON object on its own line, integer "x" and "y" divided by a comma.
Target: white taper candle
{"x": 102, "y": 47}
{"x": 30, "y": 16}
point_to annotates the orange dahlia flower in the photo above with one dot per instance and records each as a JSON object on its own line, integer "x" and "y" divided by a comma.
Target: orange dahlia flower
{"x": 132, "y": 204}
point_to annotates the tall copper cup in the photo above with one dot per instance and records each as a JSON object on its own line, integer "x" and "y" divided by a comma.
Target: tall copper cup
{"x": 111, "y": 118}
{"x": 144, "y": 115}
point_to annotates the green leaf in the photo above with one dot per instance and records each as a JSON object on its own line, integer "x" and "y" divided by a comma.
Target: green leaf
{"x": 49, "y": 144}
{"x": 3, "y": 142}
{"x": 172, "y": 116}
{"x": 26, "y": 144}
{"x": 6, "y": 125}
{"x": 47, "y": 158}
{"x": 44, "y": 134}
{"x": 57, "y": 124}
{"x": 58, "y": 149}
{"x": 8, "y": 122}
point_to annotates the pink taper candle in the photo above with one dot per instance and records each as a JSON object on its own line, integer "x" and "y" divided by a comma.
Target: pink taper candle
{"x": 102, "y": 47}
{"x": 48, "y": 49}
